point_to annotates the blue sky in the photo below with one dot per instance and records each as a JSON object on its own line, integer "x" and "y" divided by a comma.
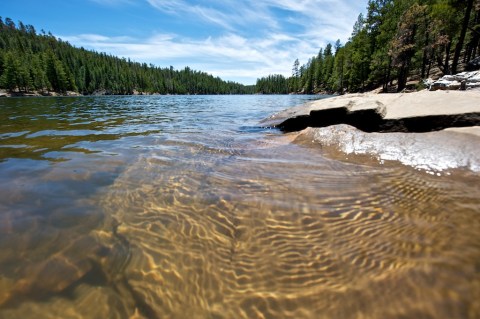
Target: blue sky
{"x": 235, "y": 40}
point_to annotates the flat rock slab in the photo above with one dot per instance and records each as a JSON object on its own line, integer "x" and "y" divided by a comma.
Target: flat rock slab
{"x": 427, "y": 103}
{"x": 402, "y": 112}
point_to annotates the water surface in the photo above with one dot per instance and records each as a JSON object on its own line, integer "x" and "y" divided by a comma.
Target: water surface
{"x": 181, "y": 207}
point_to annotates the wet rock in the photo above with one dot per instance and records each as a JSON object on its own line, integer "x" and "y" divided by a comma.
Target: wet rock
{"x": 434, "y": 151}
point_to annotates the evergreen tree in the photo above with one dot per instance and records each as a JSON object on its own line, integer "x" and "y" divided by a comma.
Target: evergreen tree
{"x": 381, "y": 27}
{"x": 396, "y": 40}
{"x": 329, "y": 62}
{"x": 339, "y": 70}
{"x": 403, "y": 46}
{"x": 11, "y": 68}
{"x": 30, "y": 61}
{"x": 319, "y": 69}
{"x": 463, "y": 32}
{"x": 295, "y": 79}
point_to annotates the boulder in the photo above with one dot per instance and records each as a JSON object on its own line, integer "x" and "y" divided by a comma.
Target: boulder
{"x": 72, "y": 93}
{"x": 464, "y": 81}
{"x": 474, "y": 64}
{"x": 101, "y": 92}
{"x": 444, "y": 84}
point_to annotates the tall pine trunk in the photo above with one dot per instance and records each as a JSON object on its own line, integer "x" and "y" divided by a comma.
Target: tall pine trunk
{"x": 459, "y": 47}
{"x": 405, "y": 67}
{"x": 444, "y": 65}
{"x": 425, "y": 54}
{"x": 474, "y": 41}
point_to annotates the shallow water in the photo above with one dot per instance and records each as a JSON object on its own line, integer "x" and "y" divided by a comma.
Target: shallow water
{"x": 181, "y": 207}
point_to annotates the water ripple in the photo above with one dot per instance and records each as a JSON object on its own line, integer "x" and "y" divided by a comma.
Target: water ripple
{"x": 207, "y": 247}
{"x": 176, "y": 207}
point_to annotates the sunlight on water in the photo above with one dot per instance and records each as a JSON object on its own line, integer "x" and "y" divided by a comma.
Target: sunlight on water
{"x": 179, "y": 207}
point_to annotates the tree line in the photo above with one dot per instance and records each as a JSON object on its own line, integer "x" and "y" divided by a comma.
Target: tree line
{"x": 397, "y": 40}
{"x": 31, "y": 61}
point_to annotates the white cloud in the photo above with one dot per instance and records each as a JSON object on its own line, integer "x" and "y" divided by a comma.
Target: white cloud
{"x": 231, "y": 57}
{"x": 230, "y": 14}
{"x": 227, "y": 14}
{"x": 257, "y": 37}
{"x": 169, "y": 6}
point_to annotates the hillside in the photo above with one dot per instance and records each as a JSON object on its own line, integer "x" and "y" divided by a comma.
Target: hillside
{"x": 30, "y": 62}
{"x": 396, "y": 41}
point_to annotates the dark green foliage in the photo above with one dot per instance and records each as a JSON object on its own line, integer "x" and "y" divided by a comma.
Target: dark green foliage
{"x": 41, "y": 62}
{"x": 396, "y": 40}
{"x": 272, "y": 84}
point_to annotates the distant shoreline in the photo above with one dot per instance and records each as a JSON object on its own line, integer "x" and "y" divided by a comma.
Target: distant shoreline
{"x": 6, "y": 94}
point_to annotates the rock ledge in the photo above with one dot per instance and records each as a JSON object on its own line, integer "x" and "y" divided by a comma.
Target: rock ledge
{"x": 432, "y": 131}
{"x": 403, "y": 112}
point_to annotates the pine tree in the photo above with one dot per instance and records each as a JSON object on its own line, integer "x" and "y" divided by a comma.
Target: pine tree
{"x": 403, "y": 46}
{"x": 463, "y": 32}
{"x": 328, "y": 67}
{"x": 43, "y": 62}
{"x": 318, "y": 73}
{"x": 396, "y": 40}
{"x": 9, "y": 78}
{"x": 294, "y": 83}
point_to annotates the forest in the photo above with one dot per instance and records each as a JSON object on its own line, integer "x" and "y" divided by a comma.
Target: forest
{"x": 396, "y": 42}
{"x": 31, "y": 61}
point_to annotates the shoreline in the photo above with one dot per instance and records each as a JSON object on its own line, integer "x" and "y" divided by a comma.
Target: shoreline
{"x": 428, "y": 130}
{"x": 4, "y": 94}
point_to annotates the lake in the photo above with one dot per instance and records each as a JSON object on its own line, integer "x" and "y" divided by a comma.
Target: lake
{"x": 183, "y": 207}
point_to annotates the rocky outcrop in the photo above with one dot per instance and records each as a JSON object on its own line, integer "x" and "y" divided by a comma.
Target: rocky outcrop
{"x": 460, "y": 81}
{"x": 101, "y": 92}
{"x": 445, "y": 126}
{"x": 403, "y": 112}
{"x": 4, "y": 93}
